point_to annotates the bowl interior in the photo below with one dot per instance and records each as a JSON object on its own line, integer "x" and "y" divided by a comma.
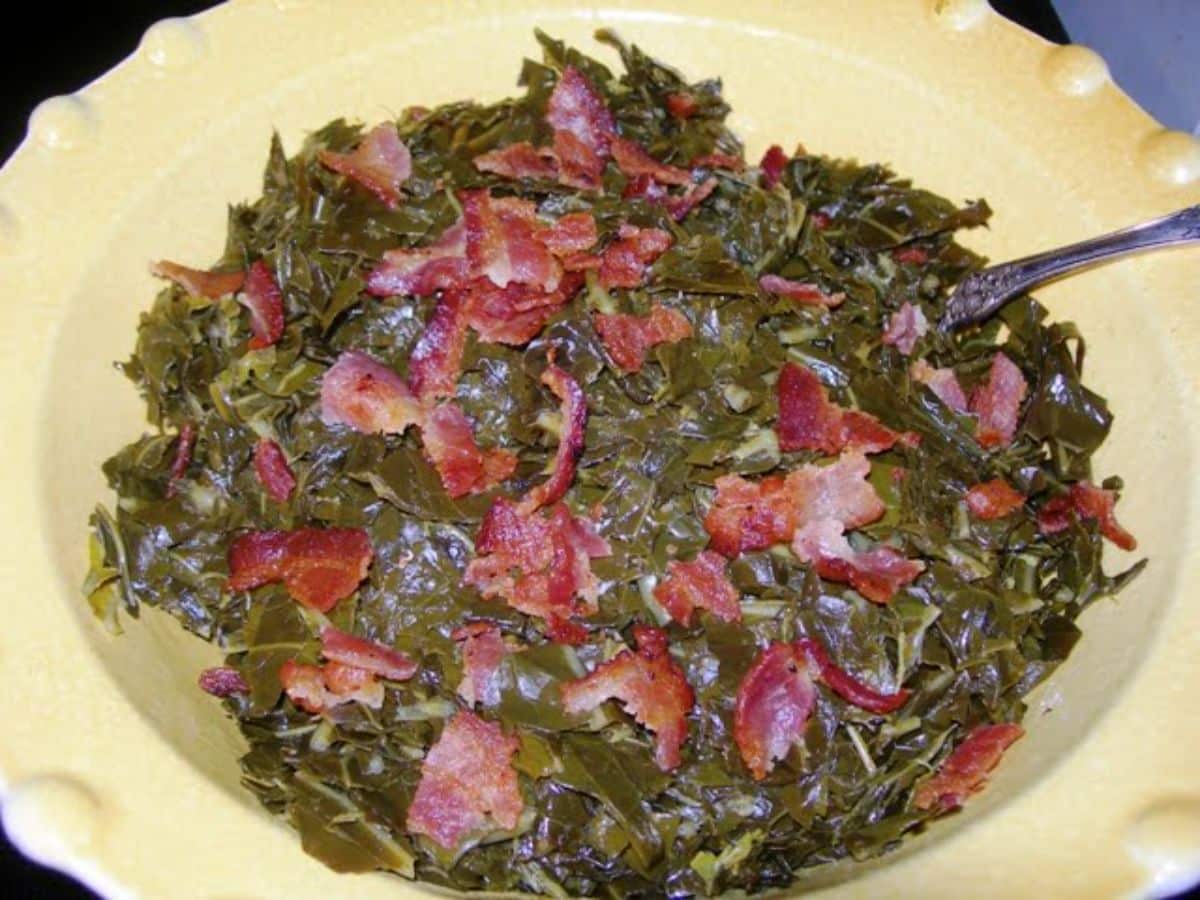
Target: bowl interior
{"x": 836, "y": 96}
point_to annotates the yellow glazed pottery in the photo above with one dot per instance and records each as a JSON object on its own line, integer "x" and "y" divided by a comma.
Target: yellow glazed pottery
{"x": 117, "y": 768}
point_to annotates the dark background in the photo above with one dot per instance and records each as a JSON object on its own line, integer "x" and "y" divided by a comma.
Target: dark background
{"x": 68, "y": 52}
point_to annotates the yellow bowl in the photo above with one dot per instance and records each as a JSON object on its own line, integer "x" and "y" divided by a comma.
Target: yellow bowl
{"x": 118, "y": 769}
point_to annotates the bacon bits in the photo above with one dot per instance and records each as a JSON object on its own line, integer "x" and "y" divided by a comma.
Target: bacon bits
{"x": 483, "y": 650}
{"x": 772, "y": 165}
{"x": 650, "y": 686}
{"x": 352, "y": 674}
{"x": 681, "y": 105}
{"x": 318, "y": 566}
{"x": 777, "y": 696}
{"x": 197, "y": 282}
{"x": 576, "y": 106}
{"x": 573, "y": 414}
{"x": 273, "y": 471}
{"x": 467, "y": 783}
{"x": 624, "y": 263}
{"x": 184, "y": 444}
{"x": 702, "y": 583}
{"x": 515, "y": 314}
{"x": 370, "y": 656}
{"x": 450, "y": 447}
{"x": 261, "y": 295}
{"x": 809, "y": 421}
{"x": 1085, "y": 501}
{"x": 906, "y": 326}
{"x": 803, "y": 292}
{"x": 436, "y": 360}
{"x": 633, "y": 161}
{"x": 570, "y": 234}
{"x": 997, "y": 403}
{"x": 381, "y": 163}
{"x": 367, "y": 396}
{"x": 943, "y": 383}
{"x": 424, "y": 270}
{"x": 521, "y": 160}
{"x": 627, "y": 338}
{"x": 876, "y": 573}
{"x": 965, "y": 770}
{"x": 538, "y": 562}
{"x": 994, "y": 499}
{"x": 222, "y": 681}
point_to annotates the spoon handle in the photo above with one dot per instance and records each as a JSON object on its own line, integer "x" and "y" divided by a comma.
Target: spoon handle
{"x": 982, "y": 293}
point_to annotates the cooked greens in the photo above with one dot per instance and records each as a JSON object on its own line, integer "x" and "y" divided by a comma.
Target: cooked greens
{"x": 991, "y": 617}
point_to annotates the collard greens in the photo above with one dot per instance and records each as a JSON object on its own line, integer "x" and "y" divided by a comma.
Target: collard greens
{"x": 992, "y": 616}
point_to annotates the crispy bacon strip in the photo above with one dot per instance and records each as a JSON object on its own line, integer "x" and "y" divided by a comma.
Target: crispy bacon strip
{"x": 965, "y": 770}
{"x": 627, "y": 338}
{"x": 436, "y": 360}
{"x": 198, "y": 282}
{"x": 370, "y": 656}
{"x": 876, "y": 574}
{"x": 261, "y": 295}
{"x": 650, "y": 686}
{"x": 483, "y": 650}
{"x": 223, "y": 681}
{"x": 573, "y": 414}
{"x": 633, "y": 161}
{"x": 994, "y": 499}
{"x": 772, "y": 165}
{"x": 750, "y": 515}
{"x": 845, "y": 685}
{"x": 702, "y": 583}
{"x": 538, "y": 562}
{"x": 719, "y": 161}
{"x": 367, "y": 396}
{"x": 522, "y": 160}
{"x": 500, "y": 242}
{"x": 571, "y": 234}
{"x": 467, "y": 783}
{"x": 575, "y": 106}
{"x": 450, "y": 446}
{"x": 997, "y": 402}
{"x": 516, "y": 314}
{"x": 808, "y": 420}
{"x": 943, "y": 383}
{"x": 184, "y": 445}
{"x": 803, "y": 292}
{"x": 274, "y": 473}
{"x": 579, "y": 166}
{"x": 624, "y": 262}
{"x": 906, "y": 326}
{"x": 351, "y": 674}
{"x": 1086, "y": 501}
{"x": 318, "y": 566}
{"x": 381, "y": 163}
{"x": 424, "y": 270}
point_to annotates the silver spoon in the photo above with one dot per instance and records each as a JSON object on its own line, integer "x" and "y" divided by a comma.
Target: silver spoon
{"x": 984, "y": 292}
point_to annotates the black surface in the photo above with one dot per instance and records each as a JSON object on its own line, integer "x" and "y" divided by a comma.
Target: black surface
{"x": 73, "y": 50}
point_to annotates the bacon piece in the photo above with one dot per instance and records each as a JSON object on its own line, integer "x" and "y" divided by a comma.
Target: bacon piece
{"x": 803, "y": 292}
{"x": 318, "y": 566}
{"x": 911, "y": 253}
{"x": 184, "y": 445}
{"x": 702, "y": 583}
{"x": 370, "y": 656}
{"x": 273, "y": 471}
{"x": 719, "y": 161}
{"x": 450, "y": 446}
{"x": 318, "y": 689}
{"x": 538, "y": 562}
{"x": 305, "y": 685}
{"x": 261, "y": 295}
{"x": 436, "y": 360}
{"x": 516, "y": 314}
{"x": 777, "y": 696}
{"x": 222, "y": 681}
{"x": 381, "y": 163}
{"x": 573, "y": 415}
{"x": 906, "y": 326}
{"x": 681, "y": 105}
{"x": 633, "y": 161}
{"x": 876, "y": 574}
{"x": 643, "y": 187}
{"x": 997, "y": 402}
{"x": 579, "y": 166}
{"x": 965, "y": 770}
{"x": 1086, "y": 501}
{"x": 522, "y": 160}
{"x": 650, "y": 686}
{"x": 773, "y": 163}
{"x": 808, "y": 420}
{"x": 367, "y": 396}
{"x": 424, "y": 270}
{"x": 624, "y": 262}
{"x": 467, "y": 782}
{"x": 994, "y": 499}
{"x": 627, "y": 338}
{"x": 483, "y": 650}
{"x": 755, "y": 515}
{"x": 571, "y": 234}
{"x": 500, "y": 241}
{"x": 943, "y": 383}
{"x": 198, "y": 282}
{"x": 575, "y": 106}
{"x": 680, "y": 206}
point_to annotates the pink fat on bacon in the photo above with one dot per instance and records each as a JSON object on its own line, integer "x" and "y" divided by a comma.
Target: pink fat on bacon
{"x": 965, "y": 770}
{"x": 627, "y": 338}
{"x": 483, "y": 651}
{"x": 367, "y": 396}
{"x": 803, "y": 292}
{"x": 575, "y": 106}
{"x": 198, "y": 282}
{"x": 808, "y": 420}
{"x": 381, "y": 163}
{"x": 876, "y": 573}
{"x": 905, "y": 327}
{"x": 650, "y": 686}
{"x": 274, "y": 473}
{"x": 702, "y": 583}
{"x": 318, "y": 566}
{"x": 997, "y": 402}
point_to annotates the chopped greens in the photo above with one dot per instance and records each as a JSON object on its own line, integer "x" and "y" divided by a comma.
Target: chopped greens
{"x": 989, "y": 617}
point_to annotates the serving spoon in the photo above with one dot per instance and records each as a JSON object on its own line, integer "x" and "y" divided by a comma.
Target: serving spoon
{"x": 982, "y": 293}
